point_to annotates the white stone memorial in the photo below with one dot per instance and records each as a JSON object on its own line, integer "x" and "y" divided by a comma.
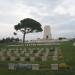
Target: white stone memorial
{"x": 47, "y": 32}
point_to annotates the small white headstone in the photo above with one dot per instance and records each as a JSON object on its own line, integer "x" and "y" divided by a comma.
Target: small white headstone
{"x": 18, "y": 55}
{"x": 11, "y": 66}
{"x": 8, "y": 53}
{"x": 35, "y": 66}
{"x": 22, "y": 58}
{"x": 32, "y": 58}
{"x": 22, "y": 52}
{"x": 31, "y": 51}
{"x": 44, "y": 58}
{"x": 16, "y": 52}
{"x": 55, "y": 58}
{"x": 54, "y": 66}
{"x": 74, "y": 44}
{"x": 26, "y": 54}
{"x": 3, "y": 50}
{"x": 1, "y": 53}
{"x": 3, "y": 58}
{"x": 12, "y": 58}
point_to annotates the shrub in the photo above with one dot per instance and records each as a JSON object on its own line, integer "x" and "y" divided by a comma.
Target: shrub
{"x": 64, "y": 66}
{"x": 61, "y": 58}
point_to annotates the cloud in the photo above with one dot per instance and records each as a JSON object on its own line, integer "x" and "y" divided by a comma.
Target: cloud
{"x": 59, "y": 14}
{"x": 65, "y": 7}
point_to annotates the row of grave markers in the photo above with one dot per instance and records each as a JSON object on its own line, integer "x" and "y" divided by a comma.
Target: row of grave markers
{"x": 37, "y": 44}
{"x": 12, "y": 55}
{"x": 55, "y": 56}
{"x": 12, "y": 66}
{"x": 27, "y": 54}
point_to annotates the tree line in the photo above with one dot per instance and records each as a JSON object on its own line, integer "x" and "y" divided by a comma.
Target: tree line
{"x": 9, "y": 39}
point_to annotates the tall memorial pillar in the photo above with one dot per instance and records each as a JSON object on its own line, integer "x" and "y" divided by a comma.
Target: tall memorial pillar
{"x": 47, "y": 33}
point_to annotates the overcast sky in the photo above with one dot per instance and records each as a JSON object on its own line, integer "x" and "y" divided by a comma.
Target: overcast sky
{"x": 59, "y": 14}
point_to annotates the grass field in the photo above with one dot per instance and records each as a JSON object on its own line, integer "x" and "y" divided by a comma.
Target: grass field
{"x": 68, "y": 51}
{"x": 69, "y": 54}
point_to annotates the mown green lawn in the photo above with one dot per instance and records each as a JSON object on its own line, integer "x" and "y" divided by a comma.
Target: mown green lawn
{"x": 69, "y": 54}
{"x": 29, "y": 72}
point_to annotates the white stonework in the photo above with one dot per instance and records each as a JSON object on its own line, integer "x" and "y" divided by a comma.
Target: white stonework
{"x": 3, "y": 58}
{"x": 22, "y": 58}
{"x": 54, "y": 66}
{"x": 47, "y": 32}
{"x": 35, "y": 66}
{"x": 11, "y": 66}
{"x": 55, "y": 58}
{"x": 1, "y": 53}
{"x": 22, "y": 52}
{"x": 44, "y": 58}
{"x": 12, "y": 58}
{"x": 27, "y": 54}
{"x": 17, "y": 54}
{"x": 32, "y": 59}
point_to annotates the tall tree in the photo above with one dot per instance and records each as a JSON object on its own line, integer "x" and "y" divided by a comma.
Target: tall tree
{"x": 28, "y": 25}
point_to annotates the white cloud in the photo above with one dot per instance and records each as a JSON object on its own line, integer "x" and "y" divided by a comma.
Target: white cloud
{"x": 59, "y": 10}
{"x": 56, "y": 13}
{"x": 66, "y": 7}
